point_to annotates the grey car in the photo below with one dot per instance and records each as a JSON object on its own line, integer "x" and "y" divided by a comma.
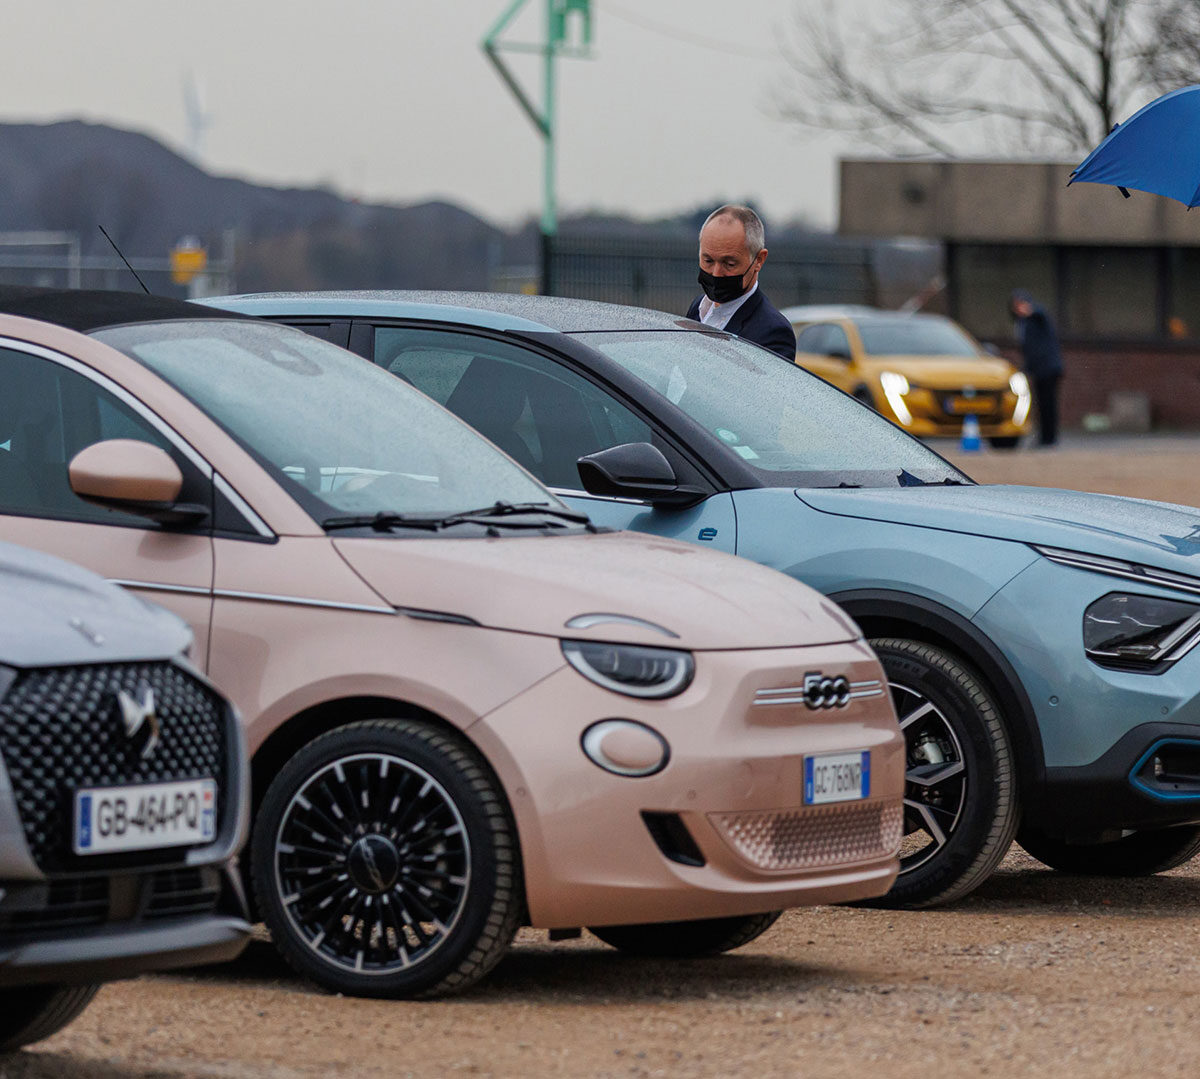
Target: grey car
{"x": 122, "y": 796}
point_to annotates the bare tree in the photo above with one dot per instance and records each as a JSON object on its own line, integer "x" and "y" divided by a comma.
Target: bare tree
{"x": 1172, "y": 56}
{"x": 983, "y": 76}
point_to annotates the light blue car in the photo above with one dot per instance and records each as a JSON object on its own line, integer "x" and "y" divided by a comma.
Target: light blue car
{"x": 1039, "y": 643}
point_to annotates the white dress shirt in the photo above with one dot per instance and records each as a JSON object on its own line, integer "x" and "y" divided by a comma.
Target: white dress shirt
{"x": 717, "y": 315}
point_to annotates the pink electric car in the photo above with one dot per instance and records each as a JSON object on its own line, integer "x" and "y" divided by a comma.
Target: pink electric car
{"x": 468, "y": 708}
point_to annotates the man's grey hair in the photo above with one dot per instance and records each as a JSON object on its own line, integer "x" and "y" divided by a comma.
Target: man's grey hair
{"x": 756, "y": 236}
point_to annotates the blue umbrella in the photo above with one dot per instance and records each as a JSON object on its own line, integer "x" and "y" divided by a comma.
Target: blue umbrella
{"x": 1156, "y": 150}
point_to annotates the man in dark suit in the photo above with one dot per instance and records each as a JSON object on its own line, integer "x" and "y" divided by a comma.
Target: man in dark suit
{"x": 1042, "y": 360}
{"x": 732, "y": 252}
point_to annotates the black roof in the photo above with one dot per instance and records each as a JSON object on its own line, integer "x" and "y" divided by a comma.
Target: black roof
{"x": 90, "y": 309}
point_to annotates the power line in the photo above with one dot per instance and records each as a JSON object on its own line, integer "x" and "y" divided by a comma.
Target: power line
{"x": 619, "y": 11}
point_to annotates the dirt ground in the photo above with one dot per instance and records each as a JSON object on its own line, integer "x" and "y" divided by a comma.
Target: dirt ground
{"x": 1036, "y": 972}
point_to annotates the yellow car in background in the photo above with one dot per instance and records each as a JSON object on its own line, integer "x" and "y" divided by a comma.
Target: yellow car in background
{"x": 924, "y": 372}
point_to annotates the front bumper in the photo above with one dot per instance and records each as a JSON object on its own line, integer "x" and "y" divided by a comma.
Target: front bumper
{"x": 123, "y": 951}
{"x": 1098, "y": 727}
{"x": 593, "y": 844}
{"x": 931, "y": 417}
{"x": 1120, "y": 791}
{"x": 96, "y": 929}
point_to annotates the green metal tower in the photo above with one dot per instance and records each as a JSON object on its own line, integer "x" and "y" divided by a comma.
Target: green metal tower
{"x": 559, "y": 15}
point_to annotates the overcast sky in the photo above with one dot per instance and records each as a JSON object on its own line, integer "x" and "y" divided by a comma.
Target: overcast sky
{"x": 395, "y": 102}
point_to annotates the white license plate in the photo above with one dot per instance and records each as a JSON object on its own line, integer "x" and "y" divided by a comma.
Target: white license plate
{"x": 837, "y": 777}
{"x": 142, "y": 817}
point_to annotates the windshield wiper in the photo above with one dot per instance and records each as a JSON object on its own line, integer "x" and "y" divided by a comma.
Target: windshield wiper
{"x": 382, "y": 522}
{"x": 485, "y": 515}
{"x": 907, "y": 479}
{"x": 507, "y": 509}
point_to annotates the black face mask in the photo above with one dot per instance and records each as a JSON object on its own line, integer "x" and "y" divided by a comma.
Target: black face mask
{"x": 723, "y": 289}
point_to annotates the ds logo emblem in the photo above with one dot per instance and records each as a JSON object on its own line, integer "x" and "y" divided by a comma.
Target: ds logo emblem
{"x": 821, "y": 691}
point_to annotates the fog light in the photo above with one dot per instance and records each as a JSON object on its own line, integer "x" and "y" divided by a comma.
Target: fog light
{"x": 1158, "y": 767}
{"x": 626, "y": 748}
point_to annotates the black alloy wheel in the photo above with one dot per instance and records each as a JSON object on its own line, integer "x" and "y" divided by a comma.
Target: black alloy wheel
{"x": 385, "y": 862}
{"x": 1139, "y": 854}
{"x": 683, "y": 940}
{"x": 960, "y": 798}
{"x": 1005, "y": 442}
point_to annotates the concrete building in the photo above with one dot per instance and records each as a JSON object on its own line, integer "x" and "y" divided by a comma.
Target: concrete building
{"x": 1121, "y": 277}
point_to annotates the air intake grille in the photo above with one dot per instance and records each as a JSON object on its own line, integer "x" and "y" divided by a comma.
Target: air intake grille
{"x": 813, "y": 837}
{"x": 61, "y": 730}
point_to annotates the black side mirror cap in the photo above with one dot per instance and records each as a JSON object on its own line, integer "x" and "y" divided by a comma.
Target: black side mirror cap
{"x": 636, "y": 470}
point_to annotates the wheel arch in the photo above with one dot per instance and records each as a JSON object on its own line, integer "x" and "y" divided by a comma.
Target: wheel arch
{"x": 884, "y": 613}
{"x": 325, "y": 716}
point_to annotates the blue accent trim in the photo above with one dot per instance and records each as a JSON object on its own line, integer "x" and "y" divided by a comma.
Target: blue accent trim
{"x": 808, "y": 781}
{"x": 85, "y": 821}
{"x": 1162, "y": 796}
{"x": 866, "y": 773}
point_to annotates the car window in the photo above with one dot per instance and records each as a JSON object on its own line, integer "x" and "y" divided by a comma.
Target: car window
{"x": 49, "y": 413}
{"x": 338, "y": 433}
{"x": 812, "y": 339}
{"x": 542, "y": 414}
{"x": 837, "y": 343}
{"x": 785, "y": 423}
{"x": 914, "y": 336}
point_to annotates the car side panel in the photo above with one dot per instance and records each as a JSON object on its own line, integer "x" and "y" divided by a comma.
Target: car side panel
{"x": 712, "y": 523}
{"x": 832, "y": 553}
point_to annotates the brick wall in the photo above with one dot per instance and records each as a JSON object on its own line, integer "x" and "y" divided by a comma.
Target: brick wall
{"x": 1168, "y": 374}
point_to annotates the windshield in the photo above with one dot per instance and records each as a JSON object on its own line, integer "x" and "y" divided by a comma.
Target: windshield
{"x": 914, "y": 336}
{"x": 787, "y": 425}
{"x": 343, "y": 436}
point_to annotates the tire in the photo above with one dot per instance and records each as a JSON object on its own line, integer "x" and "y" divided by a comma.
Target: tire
{"x": 385, "y": 862}
{"x": 1005, "y": 442}
{"x": 1140, "y": 854}
{"x": 32, "y": 1013}
{"x": 681, "y": 940}
{"x": 960, "y": 802}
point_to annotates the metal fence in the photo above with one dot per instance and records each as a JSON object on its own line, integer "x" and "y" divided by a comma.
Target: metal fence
{"x": 53, "y": 260}
{"x": 661, "y": 273}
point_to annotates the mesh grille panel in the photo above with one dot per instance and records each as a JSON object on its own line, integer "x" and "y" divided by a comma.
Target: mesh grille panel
{"x": 61, "y": 729}
{"x": 814, "y": 836}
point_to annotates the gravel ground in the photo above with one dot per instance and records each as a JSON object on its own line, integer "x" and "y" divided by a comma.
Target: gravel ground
{"x": 1036, "y": 971}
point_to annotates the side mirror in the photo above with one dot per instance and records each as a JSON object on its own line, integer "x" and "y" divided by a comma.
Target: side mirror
{"x": 125, "y": 474}
{"x": 636, "y": 470}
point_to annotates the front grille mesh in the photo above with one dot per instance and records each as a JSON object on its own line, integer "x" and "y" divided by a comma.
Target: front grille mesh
{"x": 813, "y": 837}
{"x": 68, "y": 903}
{"x": 61, "y": 730}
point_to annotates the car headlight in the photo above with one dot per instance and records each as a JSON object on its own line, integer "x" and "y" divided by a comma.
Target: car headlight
{"x": 1019, "y": 385}
{"x": 1139, "y": 632}
{"x": 632, "y": 669}
{"x": 895, "y": 386}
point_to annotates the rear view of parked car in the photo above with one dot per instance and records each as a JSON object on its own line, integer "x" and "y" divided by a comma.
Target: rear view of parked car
{"x": 122, "y": 796}
{"x": 469, "y": 708}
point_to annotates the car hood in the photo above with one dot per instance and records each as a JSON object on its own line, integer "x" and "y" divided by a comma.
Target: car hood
{"x": 945, "y": 372}
{"x": 1154, "y": 533}
{"x": 58, "y": 614}
{"x": 536, "y": 584}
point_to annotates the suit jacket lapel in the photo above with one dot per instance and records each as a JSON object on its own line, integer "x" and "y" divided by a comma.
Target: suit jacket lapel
{"x": 743, "y": 313}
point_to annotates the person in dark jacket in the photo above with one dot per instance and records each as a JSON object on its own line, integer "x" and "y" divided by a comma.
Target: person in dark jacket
{"x": 1042, "y": 360}
{"x": 732, "y": 252}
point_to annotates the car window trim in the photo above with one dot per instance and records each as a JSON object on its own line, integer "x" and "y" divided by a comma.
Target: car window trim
{"x": 185, "y": 448}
